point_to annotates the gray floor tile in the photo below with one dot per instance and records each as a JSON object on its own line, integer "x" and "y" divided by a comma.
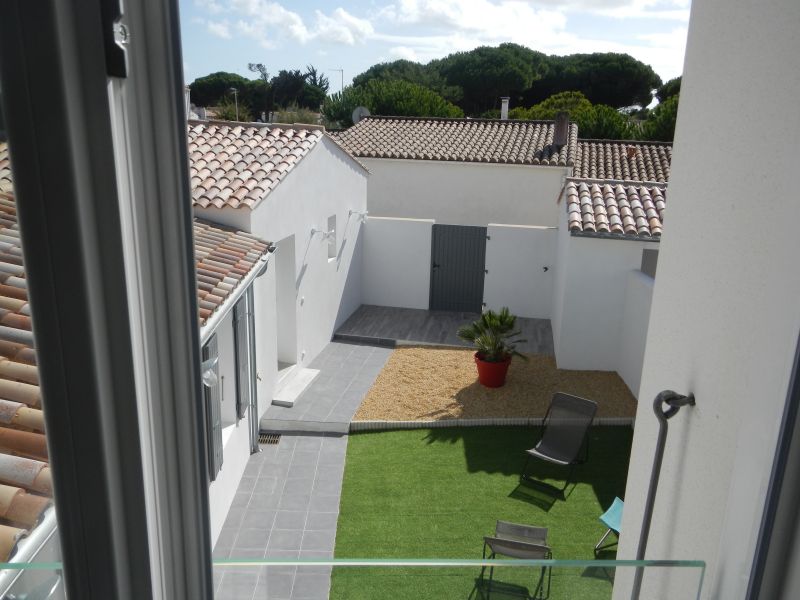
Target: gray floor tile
{"x": 265, "y": 501}
{"x": 304, "y": 457}
{"x": 240, "y": 499}
{"x": 319, "y": 540}
{"x": 276, "y": 586}
{"x": 328, "y": 472}
{"x": 298, "y": 486}
{"x": 251, "y": 539}
{"x": 321, "y": 503}
{"x": 308, "y": 586}
{"x": 246, "y": 484}
{"x": 236, "y": 586}
{"x": 302, "y": 471}
{"x": 247, "y": 554}
{"x": 258, "y": 519}
{"x": 321, "y": 521}
{"x": 227, "y": 536}
{"x": 286, "y": 539}
{"x": 295, "y": 501}
{"x": 328, "y": 487}
{"x": 234, "y": 518}
{"x": 277, "y": 553}
{"x": 265, "y": 485}
{"x": 290, "y": 519}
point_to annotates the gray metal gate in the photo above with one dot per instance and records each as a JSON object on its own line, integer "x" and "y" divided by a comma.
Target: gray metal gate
{"x": 458, "y": 262}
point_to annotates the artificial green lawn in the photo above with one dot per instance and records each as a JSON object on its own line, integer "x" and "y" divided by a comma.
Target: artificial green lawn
{"x": 435, "y": 493}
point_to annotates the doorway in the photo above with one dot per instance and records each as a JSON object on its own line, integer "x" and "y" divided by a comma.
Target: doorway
{"x": 286, "y": 305}
{"x": 458, "y": 263}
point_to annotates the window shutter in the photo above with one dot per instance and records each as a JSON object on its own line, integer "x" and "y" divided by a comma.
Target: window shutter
{"x": 240, "y": 334}
{"x": 212, "y": 395}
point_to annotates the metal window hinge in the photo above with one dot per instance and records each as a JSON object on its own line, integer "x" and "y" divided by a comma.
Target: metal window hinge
{"x": 486, "y": 271}
{"x": 488, "y": 237}
{"x": 115, "y": 38}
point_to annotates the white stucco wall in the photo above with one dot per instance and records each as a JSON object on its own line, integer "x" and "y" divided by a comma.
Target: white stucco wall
{"x": 516, "y": 257}
{"x": 591, "y": 315}
{"x": 725, "y": 316}
{"x": 455, "y": 193}
{"x": 633, "y": 337}
{"x": 397, "y": 262}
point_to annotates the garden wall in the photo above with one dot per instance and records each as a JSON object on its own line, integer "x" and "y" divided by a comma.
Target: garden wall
{"x": 396, "y": 262}
{"x": 519, "y": 261}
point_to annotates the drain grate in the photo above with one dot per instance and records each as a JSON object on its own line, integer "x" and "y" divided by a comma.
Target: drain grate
{"x": 268, "y": 438}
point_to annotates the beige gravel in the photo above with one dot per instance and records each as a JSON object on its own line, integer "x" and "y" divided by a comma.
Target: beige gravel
{"x": 433, "y": 383}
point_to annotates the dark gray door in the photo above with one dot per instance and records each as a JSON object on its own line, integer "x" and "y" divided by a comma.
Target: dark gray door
{"x": 458, "y": 260}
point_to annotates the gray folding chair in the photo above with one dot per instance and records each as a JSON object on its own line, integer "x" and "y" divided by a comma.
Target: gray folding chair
{"x": 564, "y": 434}
{"x": 518, "y": 541}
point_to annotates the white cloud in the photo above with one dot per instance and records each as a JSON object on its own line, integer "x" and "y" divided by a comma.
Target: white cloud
{"x": 342, "y": 28}
{"x": 211, "y": 6}
{"x": 220, "y": 29}
{"x": 404, "y": 52}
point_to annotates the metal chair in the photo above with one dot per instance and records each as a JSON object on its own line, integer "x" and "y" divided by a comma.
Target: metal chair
{"x": 564, "y": 434}
{"x": 612, "y": 519}
{"x": 518, "y": 541}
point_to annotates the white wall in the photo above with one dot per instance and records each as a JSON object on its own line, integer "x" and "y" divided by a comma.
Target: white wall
{"x": 396, "y": 262}
{"x": 725, "y": 316}
{"x": 591, "y": 317}
{"x": 455, "y": 193}
{"x": 516, "y": 257}
{"x": 633, "y": 337}
{"x": 325, "y": 182}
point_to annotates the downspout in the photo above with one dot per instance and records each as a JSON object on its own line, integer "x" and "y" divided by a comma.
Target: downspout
{"x": 674, "y": 402}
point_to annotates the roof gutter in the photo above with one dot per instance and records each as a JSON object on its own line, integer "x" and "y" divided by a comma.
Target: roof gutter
{"x": 207, "y": 330}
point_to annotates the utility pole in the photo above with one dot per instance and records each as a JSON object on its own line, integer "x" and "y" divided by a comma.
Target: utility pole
{"x": 236, "y": 100}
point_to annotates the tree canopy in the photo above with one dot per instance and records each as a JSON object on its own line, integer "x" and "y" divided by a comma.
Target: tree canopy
{"x": 476, "y": 80}
{"x": 211, "y": 89}
{"x": 669, "y": 89}
{"x": 660, "y": 125}
{"x": 387, "y": 97}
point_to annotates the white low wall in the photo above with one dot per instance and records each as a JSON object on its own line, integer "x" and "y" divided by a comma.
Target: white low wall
{"x": 456, "y": 193}
{"x": 636, "y": 316}
{"x": 516, "y": 259}
{"x": 396, "y": 262}
{"x": 599, "y": 315}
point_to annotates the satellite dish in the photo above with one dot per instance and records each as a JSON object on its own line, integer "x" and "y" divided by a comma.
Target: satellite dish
{"x": 359, "y": 113}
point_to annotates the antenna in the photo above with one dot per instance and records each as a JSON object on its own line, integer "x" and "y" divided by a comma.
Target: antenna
{"x": 359, "y": 113}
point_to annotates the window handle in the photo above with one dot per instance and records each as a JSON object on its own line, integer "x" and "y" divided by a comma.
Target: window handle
{"x": 115, "y": 38}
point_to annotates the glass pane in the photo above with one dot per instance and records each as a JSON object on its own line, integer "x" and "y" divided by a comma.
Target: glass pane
{"x": 27, "y": 515}
{"x": 399, "y": 579}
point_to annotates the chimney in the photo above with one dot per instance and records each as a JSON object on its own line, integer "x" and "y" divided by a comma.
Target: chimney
{"x": 186, "y": 105}
{"x": 504, "y": 108}
{"x": 561, "y": 132}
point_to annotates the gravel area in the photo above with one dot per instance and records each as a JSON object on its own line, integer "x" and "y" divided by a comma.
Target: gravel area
{"x": 433, "y": 383}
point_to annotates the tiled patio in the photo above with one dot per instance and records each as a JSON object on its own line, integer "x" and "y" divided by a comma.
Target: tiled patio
{"x": 347, "y": 371}
{"x": 286, "y": 507}
{"x": 383, "y": 324}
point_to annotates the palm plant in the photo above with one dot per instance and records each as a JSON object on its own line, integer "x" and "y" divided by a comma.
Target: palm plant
{"x": 493, "y": 335}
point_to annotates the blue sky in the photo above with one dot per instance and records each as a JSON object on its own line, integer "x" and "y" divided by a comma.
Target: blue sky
{"x": 225, "y": 35}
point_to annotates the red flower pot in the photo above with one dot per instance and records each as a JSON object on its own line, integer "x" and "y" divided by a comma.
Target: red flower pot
{"x": 492, "y": 374}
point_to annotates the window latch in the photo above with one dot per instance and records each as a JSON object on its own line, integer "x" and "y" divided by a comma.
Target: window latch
{"x": 115, "y": 38}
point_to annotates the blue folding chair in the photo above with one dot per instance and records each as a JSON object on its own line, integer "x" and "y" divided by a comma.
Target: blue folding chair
{"x": 612, "y": 519}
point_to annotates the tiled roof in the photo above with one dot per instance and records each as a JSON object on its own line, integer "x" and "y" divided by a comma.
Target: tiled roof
{"x": 237, "y": 165}
{"x": 623, "y": 209}
{"x": 223, "y": 258}
{"x": 463, "y": 140}
{"x": 623, "y": 160}
{"x": 25, "y": 484}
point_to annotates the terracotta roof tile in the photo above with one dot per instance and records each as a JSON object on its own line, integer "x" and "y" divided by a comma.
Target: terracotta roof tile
{"x": 25, "y": 481}
{"x": 225, "y": 158}
{"x": 464, "y": 140}
{"x": 622, "y": 209}
{"x": 623, "y": 160}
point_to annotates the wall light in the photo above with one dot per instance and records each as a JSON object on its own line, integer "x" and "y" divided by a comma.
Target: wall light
{"x": 362, "y": 215}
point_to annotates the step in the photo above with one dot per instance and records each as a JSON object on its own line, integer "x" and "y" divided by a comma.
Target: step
{"x": 290, "y": 388}
{"x": 302, "y": 427}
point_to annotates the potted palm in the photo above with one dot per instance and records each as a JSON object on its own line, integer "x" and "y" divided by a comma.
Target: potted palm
{"x": 494, "y": 338}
